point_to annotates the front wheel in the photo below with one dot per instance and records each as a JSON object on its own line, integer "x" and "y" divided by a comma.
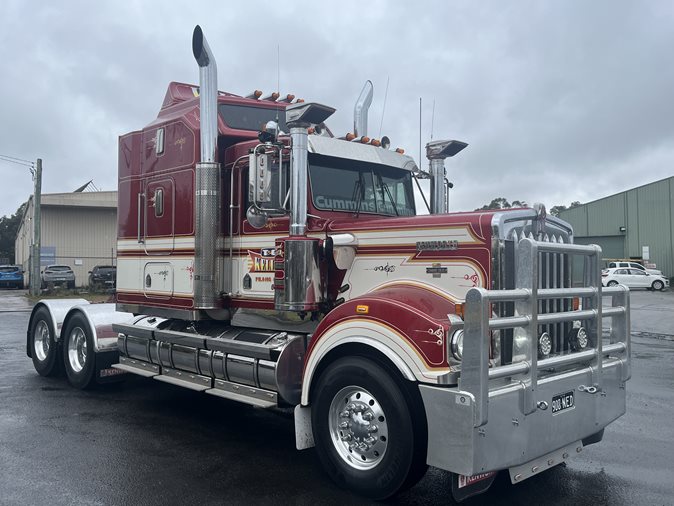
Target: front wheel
{"x": 658, "y": 285}
{"x": 366, "y": 437}
{"x": 44, "y": 349}
{"x": 78, "y": 353}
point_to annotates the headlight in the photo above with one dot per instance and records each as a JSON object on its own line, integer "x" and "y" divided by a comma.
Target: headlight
{"x": 578, "y": 339}
{"x": 544, "y": 345}
{"x": 456, "y": 344}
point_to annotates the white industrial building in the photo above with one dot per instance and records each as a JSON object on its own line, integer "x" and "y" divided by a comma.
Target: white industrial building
{"x": 77, "y": 229}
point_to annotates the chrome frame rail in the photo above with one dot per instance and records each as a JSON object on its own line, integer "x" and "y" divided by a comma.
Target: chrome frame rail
{"x": 475, "y": 370}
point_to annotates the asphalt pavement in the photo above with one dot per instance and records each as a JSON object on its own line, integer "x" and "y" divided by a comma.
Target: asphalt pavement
{"x": 142, "y": 442}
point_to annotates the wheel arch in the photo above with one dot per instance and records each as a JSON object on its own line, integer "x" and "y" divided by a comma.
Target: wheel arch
{"x": 356, "y": 345}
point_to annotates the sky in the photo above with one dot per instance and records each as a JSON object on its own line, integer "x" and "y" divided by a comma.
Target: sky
{"x": 558, "y": 101}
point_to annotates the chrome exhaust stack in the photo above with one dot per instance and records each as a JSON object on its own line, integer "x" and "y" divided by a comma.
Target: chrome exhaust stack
{"x": 361, "y": 108}
{"x": 297, "y": 276}
{"x": 207, "y": 191}
{"x": 436, "y": 152}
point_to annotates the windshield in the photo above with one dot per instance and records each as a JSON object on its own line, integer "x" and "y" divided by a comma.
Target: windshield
{"x": 244, "y": 117}
{"x": 359, "y": 187}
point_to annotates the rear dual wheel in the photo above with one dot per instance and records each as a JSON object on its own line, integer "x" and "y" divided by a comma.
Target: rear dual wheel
{"x": 365, "y": 434}
{"x": 44, "y": 349}
{"x": 79, "y": 359}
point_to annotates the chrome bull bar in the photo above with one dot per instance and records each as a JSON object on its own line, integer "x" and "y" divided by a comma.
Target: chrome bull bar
{"x": 478, "y": 322}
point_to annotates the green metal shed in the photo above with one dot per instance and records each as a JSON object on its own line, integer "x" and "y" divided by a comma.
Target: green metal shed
{"x": 630, "y": 224}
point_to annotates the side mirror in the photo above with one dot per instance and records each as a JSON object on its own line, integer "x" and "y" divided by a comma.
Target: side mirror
{"x": 259, "y": 177}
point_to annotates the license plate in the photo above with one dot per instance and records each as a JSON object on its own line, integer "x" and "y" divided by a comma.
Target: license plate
{"x": 562, "y": 402}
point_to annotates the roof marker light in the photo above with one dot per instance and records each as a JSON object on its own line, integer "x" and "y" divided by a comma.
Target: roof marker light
{"x": 255, "y": 95}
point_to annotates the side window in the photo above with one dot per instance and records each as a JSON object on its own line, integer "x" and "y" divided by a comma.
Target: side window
{"x": 637, "y": 272}
{"x": 621, "y": 271}
{"x": 612, "y": 265}
{"x": 638, "y": 266}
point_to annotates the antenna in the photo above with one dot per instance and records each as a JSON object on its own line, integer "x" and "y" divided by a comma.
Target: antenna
{"x": 432, "y": 119}
{"x": 383, "y": 110}
{"x": 419, "y": 130}
{"x": 278, "y": 89}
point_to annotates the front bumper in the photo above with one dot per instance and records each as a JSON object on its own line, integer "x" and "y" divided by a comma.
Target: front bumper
{"x": 511, "y": 438}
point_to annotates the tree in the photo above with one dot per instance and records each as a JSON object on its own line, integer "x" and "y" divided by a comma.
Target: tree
{"x": 9, "y": 226}
{"x": 502, "y": 203}
{"x": 555, "y": 210}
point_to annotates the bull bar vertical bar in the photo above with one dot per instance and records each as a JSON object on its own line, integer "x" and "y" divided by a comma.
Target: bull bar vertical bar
{"x": 475, "y": 371}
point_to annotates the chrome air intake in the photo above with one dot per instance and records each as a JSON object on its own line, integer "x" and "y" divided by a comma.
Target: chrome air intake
{"x": 361, "y": 108}
{"x": 297, "y": 275}
{"x": 207, "y": 191}
{"x": 436, "y": 152}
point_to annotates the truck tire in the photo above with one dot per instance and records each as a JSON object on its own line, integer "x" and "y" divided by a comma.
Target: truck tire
{"x": 44, "y": 350}
{"x": 364, "y": 430}
{"x": 78, "y": 353}
{"x": 658, "y": 285}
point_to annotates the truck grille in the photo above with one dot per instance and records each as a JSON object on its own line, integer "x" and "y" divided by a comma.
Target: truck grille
{"x": 554, "y": 271}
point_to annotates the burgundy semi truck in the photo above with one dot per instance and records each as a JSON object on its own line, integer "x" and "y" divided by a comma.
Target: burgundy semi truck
{"x": 263, "y": 259}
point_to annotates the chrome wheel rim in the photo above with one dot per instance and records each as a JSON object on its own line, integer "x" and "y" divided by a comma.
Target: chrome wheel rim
{"x": 41, "y": 340}
{"x": 358, "y": 427}
{"x": 77, "y": 349}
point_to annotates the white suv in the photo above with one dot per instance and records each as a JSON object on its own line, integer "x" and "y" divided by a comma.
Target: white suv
{"x": 633, "y": 265}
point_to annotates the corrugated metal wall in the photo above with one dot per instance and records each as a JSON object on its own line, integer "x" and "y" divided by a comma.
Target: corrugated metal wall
{"x": 86, "y": 235}
{"x": 646, "y": 213}
{"x": 83, "y": 236}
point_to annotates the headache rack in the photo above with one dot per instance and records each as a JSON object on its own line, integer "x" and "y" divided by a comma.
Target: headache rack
{"x": 479, "y": 320}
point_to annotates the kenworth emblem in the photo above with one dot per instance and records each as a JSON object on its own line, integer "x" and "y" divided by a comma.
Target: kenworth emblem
{"x": 437, "y": 245}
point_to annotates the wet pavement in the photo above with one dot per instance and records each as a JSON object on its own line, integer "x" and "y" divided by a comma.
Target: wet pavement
{"x": 142, "y": 442}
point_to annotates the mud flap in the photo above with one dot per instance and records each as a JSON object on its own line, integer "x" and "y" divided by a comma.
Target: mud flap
{"x": 464, "y": 487}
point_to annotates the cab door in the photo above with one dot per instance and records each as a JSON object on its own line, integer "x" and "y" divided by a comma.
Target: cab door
{"x": 159, "y": 216}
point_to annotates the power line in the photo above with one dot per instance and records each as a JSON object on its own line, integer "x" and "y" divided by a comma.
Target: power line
{"x": 18, "y": 161}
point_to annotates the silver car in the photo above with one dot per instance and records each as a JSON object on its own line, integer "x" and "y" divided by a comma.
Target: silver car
{"x": 54, "y": 275}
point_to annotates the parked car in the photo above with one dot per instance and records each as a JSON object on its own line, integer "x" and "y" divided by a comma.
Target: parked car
{"x": 633, "y": 265}
{"x": 633, "y": 278}
{"x": 103, "y": 276}
{"x": 11, "y": 276}
{"x": 58, "y": 275}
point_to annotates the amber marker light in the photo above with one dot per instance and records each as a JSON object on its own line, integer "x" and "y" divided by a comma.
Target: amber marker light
{"x": 349, "y": 136}
{"x": 400, "y": 150}
{"x": 375, "y": 142}
{"x": 362, "y": 309}
{"x": 458, "y": 309}
{"x": 576, "y": 303}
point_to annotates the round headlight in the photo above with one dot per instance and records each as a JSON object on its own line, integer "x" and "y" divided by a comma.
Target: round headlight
{"x": 544, "y": 345}
{"x": 578, "y": 339}
{"x": 456, "y": 344}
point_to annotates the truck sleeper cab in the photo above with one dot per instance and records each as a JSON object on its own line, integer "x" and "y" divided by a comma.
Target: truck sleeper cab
{"x": 277, "y": 265}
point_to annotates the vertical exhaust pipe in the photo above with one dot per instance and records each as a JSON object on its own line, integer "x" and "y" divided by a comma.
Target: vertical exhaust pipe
{"x": 207, "y": 192}
{"x": 361, "y": 108}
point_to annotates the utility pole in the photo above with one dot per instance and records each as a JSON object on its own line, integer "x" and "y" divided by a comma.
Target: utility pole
{"x": 35, "y": 280}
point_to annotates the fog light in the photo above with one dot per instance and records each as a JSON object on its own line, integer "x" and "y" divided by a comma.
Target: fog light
{"x": 578, "y": 339}
{"x": 456, "y": 344}
{"x": 544, "y": 345}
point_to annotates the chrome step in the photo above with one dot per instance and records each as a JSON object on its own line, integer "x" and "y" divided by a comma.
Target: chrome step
{"x": 243, "y": 393}
{"x": 184, "y": 379}
{"x": 137, "y": 367}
